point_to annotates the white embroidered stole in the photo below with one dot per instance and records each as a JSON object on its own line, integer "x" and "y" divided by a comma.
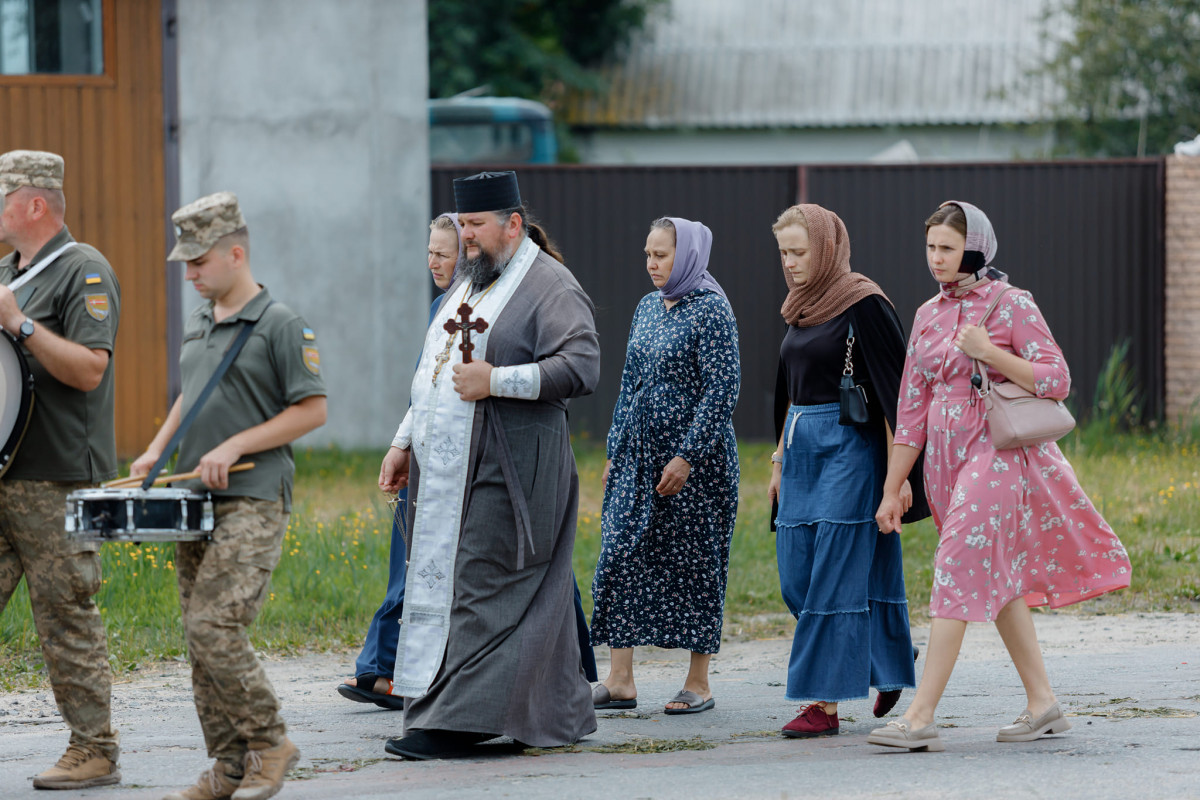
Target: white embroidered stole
{"x": 441, "y": 443}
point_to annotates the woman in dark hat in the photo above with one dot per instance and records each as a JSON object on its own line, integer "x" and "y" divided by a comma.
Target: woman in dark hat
{"x": 841, "y": 578}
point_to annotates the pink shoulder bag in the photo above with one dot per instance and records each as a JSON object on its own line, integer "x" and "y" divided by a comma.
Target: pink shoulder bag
{"x": 1015, "y": 417}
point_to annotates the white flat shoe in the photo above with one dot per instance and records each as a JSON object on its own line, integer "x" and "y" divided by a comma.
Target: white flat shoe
{"x": 1026, "y": 729}
{"x": 897, "y": 733}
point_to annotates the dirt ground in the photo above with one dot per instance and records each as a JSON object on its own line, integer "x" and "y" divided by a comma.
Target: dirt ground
{"x": 1129, "y": 683}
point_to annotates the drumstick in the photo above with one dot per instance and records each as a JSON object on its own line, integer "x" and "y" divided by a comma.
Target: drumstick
{"x": 125, "y": 483}
{"x": 187, "y": 476}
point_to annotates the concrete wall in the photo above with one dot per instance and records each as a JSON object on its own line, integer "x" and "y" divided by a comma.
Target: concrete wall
{"x": 812, "y": 146}
{"x": 1182, "y": 290}
{"x": 313, "y": 112}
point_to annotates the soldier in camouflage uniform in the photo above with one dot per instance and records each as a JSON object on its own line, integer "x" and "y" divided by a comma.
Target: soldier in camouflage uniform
{"x": 272, "y": 394}
{"x": 65, "y": 319}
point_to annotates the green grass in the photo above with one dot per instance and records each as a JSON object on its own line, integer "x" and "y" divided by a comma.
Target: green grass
{"x": 334, "y": 568}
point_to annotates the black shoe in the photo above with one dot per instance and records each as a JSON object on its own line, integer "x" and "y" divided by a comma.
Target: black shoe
{"x": 430, "y": 744}
{"x": 886, "y": 701}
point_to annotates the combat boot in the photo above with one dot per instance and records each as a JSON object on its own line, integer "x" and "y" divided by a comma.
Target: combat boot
{"x": 214, "y": 783}
{"x": 79, "y": 768}
{"x": 266, "y": 768}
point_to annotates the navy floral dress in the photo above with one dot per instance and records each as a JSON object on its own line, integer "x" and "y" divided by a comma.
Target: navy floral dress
{"x": 660, "y": 579}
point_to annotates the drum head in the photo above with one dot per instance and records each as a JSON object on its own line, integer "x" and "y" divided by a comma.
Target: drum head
{"x": 16, "y": 399}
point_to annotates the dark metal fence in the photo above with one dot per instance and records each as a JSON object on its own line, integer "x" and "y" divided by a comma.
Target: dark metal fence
{"x": 1085, "y": 237}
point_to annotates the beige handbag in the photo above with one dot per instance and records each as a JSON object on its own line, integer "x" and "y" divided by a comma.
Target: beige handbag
{"x": 1015, "y": 417}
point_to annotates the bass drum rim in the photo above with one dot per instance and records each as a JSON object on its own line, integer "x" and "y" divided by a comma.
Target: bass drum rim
{"x": 24, "y": 410}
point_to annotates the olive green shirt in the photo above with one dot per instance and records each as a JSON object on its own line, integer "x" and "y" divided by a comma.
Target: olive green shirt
{"x": 71, "y": 435}
{"x": 278, "y": 367}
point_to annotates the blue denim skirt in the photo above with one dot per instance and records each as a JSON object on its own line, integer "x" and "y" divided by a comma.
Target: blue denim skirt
{"x": 840, "y": 577}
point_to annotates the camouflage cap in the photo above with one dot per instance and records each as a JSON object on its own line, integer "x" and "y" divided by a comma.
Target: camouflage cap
{"x": 35, "y": 168}
{"x": 201, "y": 223}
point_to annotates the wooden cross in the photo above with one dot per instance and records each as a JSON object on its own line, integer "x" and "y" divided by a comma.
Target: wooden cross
{"x": 466, "y": 325}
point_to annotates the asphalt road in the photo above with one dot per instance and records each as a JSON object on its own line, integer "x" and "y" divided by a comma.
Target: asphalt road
{"x": 1129, "y": 684}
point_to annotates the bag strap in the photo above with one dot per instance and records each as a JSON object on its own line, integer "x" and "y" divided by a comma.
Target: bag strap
{"x": 205, "y": 393}
{"x": 985, "y": 384}
{"x": 849, "y": 370}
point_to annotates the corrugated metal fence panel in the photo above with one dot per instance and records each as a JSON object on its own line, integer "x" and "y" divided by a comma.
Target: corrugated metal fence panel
{"x": 1084, "y": 237}
{"x": 599, "y": 217}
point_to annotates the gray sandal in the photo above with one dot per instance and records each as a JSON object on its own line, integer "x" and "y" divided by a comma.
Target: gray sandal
{"x": 695, "y": 703}
{"x": 603, "y": 699}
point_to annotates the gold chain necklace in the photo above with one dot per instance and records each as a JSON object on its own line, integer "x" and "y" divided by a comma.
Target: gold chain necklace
{"x": 444, "y": 357}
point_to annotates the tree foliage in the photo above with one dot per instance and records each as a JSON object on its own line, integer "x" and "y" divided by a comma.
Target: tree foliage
{"x": 535, "y": 49}
{"x": 1130, "y": 73}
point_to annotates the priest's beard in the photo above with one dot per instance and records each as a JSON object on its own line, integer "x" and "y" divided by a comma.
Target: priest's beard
{"x": 484, "y": 269}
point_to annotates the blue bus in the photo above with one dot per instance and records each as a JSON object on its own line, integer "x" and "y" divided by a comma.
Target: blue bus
{"x": 492, "y": 130}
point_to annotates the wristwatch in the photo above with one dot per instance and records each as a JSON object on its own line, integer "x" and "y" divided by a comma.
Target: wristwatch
{"x": 26, "y": 330}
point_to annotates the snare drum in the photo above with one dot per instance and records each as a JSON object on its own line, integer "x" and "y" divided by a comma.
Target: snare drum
{"x": 139, "y": 515}
{"x": 16, "y": 399}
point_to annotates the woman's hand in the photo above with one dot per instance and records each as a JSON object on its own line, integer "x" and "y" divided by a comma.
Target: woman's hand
{"x": 773, "y": 484}
{"x": 393, "y": 472}
{"x": 604, "y": 477}
{"x": 974, "y": 342}
{"x": 891, "y": 509}
{"x": 906, "y": 496}
{"x": 674, "y": 476}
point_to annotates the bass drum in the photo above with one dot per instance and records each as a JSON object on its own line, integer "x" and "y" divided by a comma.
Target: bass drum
{"x": 16, "y": 399}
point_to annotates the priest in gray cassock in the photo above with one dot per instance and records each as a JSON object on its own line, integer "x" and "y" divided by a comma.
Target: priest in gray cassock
{"x": 488, "y": 644}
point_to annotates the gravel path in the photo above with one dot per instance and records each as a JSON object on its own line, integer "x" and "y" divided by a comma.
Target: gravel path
{"x": 1130, "y": 683}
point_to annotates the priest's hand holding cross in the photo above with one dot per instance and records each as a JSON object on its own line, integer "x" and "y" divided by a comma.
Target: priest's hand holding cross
{"x": 473, "y": 381}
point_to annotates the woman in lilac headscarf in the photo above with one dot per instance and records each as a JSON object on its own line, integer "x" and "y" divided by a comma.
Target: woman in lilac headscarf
{"x": 671, "y": 481}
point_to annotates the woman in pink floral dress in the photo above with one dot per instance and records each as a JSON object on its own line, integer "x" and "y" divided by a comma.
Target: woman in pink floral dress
{"x": 1015, "y": 529}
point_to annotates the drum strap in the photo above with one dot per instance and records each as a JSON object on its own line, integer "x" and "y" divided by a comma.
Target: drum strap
{"x": 194, "y": 411}
{"x": 33, "y": 271}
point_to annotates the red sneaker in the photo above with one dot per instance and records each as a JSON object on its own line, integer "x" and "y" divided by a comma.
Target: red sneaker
{"x": 813, "y": 721}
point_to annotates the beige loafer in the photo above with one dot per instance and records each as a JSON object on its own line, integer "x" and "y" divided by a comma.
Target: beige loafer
{"x": 897, "y": 733}
{"x": 1026, "y": 729}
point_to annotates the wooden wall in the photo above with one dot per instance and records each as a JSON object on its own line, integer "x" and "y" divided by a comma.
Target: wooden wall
{"x": 109, "y": 130}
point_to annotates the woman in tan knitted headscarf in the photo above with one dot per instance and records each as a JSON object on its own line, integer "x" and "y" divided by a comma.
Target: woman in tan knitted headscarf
{"x": 828, "y": 287}
{"x": 842, "y": 579}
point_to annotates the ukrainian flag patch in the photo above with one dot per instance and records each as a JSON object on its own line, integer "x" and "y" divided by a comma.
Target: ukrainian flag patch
{"x": 91, "y": 277}
{"x": 308, "y": 334}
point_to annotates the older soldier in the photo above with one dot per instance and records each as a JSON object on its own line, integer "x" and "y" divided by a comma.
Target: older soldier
{"x": 272, "y": 394}
{"x": 65, "y": 318}
{"x": 488, "y": 643}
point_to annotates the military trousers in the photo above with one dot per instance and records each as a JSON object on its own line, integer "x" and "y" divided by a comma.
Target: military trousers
{"x": 62, "y": 576}
{"x": 223, "y": 584}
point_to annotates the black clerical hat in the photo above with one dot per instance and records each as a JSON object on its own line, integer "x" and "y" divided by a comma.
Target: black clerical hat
{"x": 487, "y": 191}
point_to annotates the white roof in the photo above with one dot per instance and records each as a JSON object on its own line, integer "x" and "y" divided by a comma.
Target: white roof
{"x": 804, "y": 63}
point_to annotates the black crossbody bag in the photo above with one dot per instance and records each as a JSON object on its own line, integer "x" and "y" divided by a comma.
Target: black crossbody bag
{"x": 852, "y": 397}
